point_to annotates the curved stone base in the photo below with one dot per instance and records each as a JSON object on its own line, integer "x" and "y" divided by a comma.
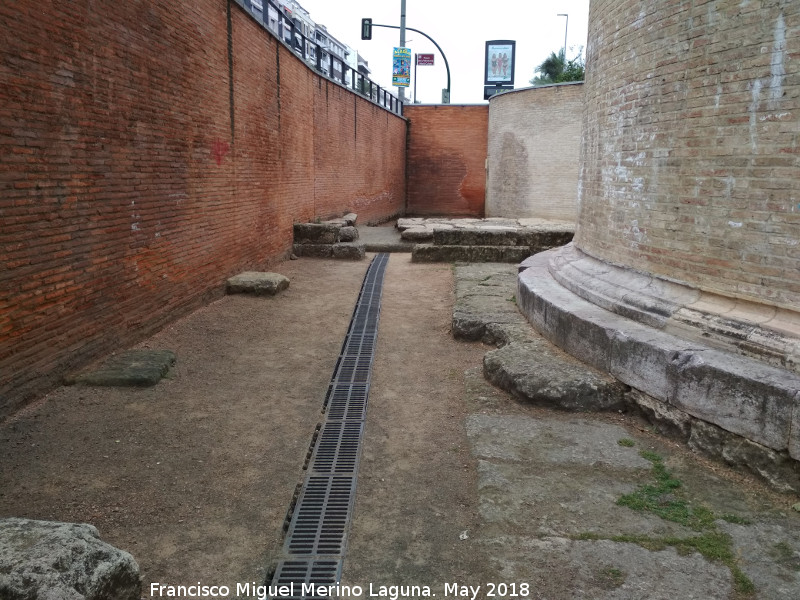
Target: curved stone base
{"x": 740, "y": 395}
{"x": 767, "y": 333}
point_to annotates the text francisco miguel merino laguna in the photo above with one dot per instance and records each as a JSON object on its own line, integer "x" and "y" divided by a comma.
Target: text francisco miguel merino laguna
{"x": 388, "y": 592}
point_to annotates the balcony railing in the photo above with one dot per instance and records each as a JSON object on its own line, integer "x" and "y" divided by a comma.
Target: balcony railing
{"x": 318, "y": 56}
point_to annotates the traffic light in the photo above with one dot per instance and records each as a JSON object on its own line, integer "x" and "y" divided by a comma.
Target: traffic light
{"x": 366, "y": 29}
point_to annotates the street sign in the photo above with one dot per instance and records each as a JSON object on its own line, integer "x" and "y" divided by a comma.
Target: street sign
{"x": 425, "y": 60}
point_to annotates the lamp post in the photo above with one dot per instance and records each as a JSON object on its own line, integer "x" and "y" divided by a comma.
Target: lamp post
{"x": 566, "y": 26}
{"x": 401, "y": 92}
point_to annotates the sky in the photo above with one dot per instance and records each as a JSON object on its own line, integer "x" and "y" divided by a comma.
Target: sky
{"x": 462, "y": 30}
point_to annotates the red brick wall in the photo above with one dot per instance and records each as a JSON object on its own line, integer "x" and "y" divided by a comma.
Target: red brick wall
{"x": 446, "y": 160}
{"x": 691, "y": 153}
{"x": 128, "y": 196}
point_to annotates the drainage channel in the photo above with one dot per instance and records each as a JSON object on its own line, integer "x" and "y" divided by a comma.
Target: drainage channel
{"x": 314, "y": 548}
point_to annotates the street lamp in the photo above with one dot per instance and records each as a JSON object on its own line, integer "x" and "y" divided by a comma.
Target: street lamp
{"x": 566, "y": 26}
{"x": 401, "y": 92}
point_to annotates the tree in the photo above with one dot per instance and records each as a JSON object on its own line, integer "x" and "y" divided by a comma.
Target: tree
{"x": 555, "y": 69}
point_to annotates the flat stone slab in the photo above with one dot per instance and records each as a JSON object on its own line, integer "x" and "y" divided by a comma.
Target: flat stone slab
{"x": 257, "y": 283}
{"x": 43, "y": 560}
{"x": 549, "y": 486}
{"x": 527, "y": 365}
{"x": 418, "y": 234}
{"x": 537, "y": 372}
{"x": 133, "y": 368}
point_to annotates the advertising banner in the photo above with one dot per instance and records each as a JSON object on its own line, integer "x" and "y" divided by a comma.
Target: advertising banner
{"x": 401, "y": 67}
{"x": 500, "y": 62}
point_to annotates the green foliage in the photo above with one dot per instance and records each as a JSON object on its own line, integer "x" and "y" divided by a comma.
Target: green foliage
{"x": 557, "y": 69}
{"x": 627, "y": 442}
{"x": 663, "y": 499}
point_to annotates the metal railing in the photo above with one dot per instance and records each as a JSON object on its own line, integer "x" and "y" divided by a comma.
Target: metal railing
{"x": 318, "y": 55}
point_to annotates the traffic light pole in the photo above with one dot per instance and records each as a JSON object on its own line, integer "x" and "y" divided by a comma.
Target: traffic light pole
{"x": 366, "y": 34}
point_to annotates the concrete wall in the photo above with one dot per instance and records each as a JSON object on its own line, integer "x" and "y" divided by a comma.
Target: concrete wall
{"x": 534, "y": 152}
{"x": 447, "y": 160}
{"x": 691, "y": 153}
{"x": 149, "y": 150}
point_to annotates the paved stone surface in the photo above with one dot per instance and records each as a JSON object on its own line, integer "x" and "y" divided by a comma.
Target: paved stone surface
{"x": 526, "y": 365}
{"x": 257, "y": 283}
{"x": 482, "y": 240}
{"x": 383, "y": 239}
{"x": 550, "y": 484}
{"x": 131, "y": 368}
{"x": 549, "y": 487}
{"x": 44, "y": 560}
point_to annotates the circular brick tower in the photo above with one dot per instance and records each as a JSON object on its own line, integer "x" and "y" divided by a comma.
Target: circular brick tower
{"x": 683, "y": 280}
{"x": 691, "y": 144}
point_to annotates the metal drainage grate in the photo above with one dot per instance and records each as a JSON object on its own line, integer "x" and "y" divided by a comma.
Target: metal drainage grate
{"x": 337, "y": 448}
{"x": 347, "y": 402}
{"x": 317, "y": 534}
{"x": 321, "y": 516}
{"x": 298, "y": 579}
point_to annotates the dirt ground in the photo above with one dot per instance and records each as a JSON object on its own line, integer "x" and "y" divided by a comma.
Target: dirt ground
{"x": 195, "y": 475}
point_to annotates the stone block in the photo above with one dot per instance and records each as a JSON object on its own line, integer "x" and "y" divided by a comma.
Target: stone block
{"x": 257, "y": 283}
{"x": 498, "y": 254}
{"x": 48, "y": 560}
{"x": 350, "y": 219}
{"x": 348, "y": 251}
{"x": 316, "y": 233}
{"x": 666, "y": 419}
{"x": 348, "y": 234}
{"x": 407, "y": 223}
{"x": 313, "y": 250}
{"x": 475, "y": 237}
{"x": 777, "y": 468}
{"x": 738, "y": 394}
{"x": 541, "y": 374}
{"x": 133, "y": 368}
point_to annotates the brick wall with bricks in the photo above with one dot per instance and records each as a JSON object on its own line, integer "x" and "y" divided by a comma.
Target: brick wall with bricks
{"x": 691, "y": 151}
{"x": 140, "y": 167}
{"x": 446, "y": 160}
{"x": 534, "y": 152}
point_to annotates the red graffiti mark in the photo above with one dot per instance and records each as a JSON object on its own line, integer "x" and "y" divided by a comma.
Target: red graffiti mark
{"x": 218, "y": 150}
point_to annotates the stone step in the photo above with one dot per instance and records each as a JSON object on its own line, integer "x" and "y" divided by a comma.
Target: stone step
{"x": 535, "y": 239}
{"x": 324, "y": 233}
{"x": 342, "y": 250}
{"x": 526, "y": 365}
{"x": 428, "y": 253}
